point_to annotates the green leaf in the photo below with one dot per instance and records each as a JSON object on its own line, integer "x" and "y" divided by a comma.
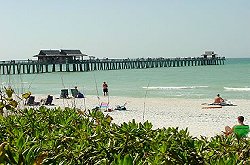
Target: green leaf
{"x": 20, "y": 141}
{"x": 2, "y": 105}
{"x": 13, "y": 103}
{"x": 26, "y": 95}
{"x": 9, "y": 91}
{"x": 127, "y": 160}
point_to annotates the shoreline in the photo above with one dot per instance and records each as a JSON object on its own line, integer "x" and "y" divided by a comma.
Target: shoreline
{"x": 165, "y": 112}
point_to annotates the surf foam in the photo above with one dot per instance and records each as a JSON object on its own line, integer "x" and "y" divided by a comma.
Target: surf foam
{"x": 175, "y": 88}
{"x": 236, "y": 89}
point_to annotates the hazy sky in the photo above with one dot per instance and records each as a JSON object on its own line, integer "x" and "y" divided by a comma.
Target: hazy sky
{"x": 125, "y": 28}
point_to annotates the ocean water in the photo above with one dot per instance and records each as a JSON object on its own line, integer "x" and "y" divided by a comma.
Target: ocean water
{"x": 231, "y": 80}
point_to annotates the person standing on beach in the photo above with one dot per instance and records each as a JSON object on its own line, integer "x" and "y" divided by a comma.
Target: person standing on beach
{"x": 105, "y": 88}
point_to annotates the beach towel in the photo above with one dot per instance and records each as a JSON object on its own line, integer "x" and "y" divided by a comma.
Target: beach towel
{"x": 225, "y": 103}
{"x": 211, "y": 106}
{"x": 104, "y": 105}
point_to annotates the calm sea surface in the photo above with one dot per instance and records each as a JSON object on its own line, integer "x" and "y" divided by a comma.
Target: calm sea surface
{"x": 231, "y": 80}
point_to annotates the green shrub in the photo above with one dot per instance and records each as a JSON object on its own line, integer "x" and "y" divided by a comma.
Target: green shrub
{"x": 68, "y": 136}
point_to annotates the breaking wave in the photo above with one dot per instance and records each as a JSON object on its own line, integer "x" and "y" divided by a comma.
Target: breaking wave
{"x": 237, "y": 89}
{"x": 174, "y": 88}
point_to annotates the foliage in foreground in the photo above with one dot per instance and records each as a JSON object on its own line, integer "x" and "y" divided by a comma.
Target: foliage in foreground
{"x": 56, "y": 136}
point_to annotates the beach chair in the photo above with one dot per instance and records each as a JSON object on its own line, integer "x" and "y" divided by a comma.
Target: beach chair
{"x": 74, "y": 92}
{"x": 49, "y": 100}
{"x": 64, "y": 93}
{"x": 241, "y": 131}
{"x": 31, "y": 101}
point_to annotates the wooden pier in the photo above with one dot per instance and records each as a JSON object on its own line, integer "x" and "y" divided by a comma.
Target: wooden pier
{"x": 35, "y": 66}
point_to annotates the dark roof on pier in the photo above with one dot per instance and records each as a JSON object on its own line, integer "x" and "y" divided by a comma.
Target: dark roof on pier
{"x": 62, "y": 52}
{"x": 49, "y": 52}
{"x": 69, "y": 52}
{"x": 209, "y": 53}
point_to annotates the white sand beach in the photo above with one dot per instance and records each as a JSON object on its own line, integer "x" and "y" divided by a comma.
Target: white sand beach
{"x": 167, "y": 112}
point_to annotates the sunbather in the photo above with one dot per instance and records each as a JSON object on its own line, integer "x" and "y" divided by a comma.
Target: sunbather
{"x": 218, "y": 99}
{"x": 76, "y": 93}
{"x": 240, "y": 130}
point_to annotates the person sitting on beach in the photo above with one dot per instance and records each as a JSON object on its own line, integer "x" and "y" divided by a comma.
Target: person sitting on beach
{"x": 76, "y": 93}
{"x": 80, "y": 95}
{"x": 218, "y": 99}
{"x": 240, "y": 130}
{"x": 49, "y": 100}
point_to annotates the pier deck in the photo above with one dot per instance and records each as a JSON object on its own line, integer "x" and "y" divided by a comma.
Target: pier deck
{"x": 34, "y": 66}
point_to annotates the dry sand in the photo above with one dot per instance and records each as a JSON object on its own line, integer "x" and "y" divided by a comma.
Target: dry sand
{"x": 167, "y": 112}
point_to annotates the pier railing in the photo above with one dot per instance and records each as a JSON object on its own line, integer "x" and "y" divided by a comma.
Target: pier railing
{"x": 35, "y": 66}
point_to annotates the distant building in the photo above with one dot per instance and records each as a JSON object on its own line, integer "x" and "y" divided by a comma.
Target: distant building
{"x": 209, "y": 54}
{"x": 59, "y": 56}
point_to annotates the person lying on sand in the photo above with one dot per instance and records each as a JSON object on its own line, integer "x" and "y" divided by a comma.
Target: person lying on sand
{"x": 241, "y": 130}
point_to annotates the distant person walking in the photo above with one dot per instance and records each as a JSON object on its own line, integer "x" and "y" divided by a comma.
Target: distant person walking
{"x": 105, "y": 88}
